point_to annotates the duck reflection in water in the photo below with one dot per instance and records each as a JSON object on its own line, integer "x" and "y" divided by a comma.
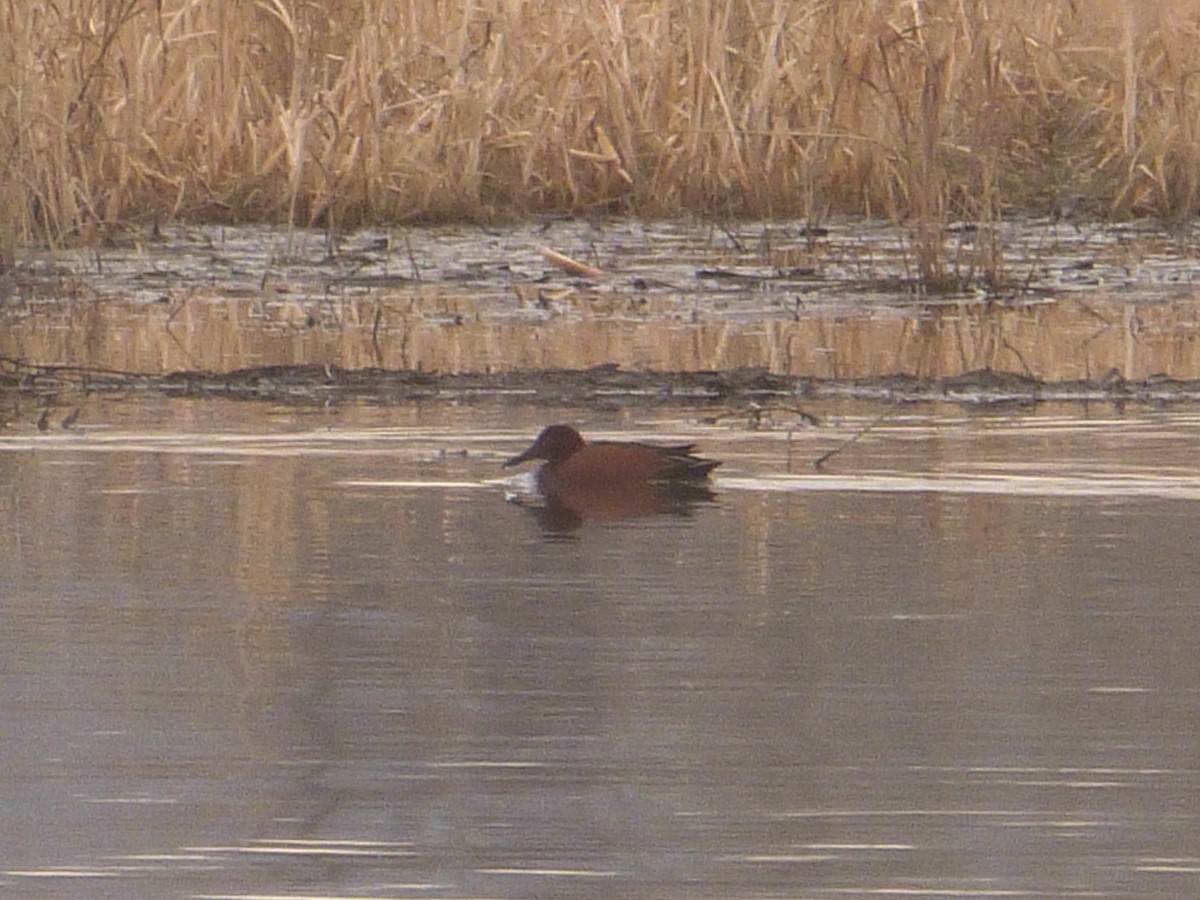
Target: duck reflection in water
{"x": 607, "y": 480}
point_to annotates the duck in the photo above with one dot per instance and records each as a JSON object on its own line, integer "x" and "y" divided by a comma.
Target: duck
{"x": 608, "y": 480}
{"x": 570, "y": 461}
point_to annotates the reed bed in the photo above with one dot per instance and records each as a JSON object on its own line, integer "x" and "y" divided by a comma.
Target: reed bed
{"x": 130, "y": 113}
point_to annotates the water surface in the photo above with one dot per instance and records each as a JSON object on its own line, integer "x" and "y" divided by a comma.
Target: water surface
{"x": 259, "y": 651}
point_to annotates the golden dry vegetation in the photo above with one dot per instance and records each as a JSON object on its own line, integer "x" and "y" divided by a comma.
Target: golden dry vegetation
{"x": 118, "y": 113}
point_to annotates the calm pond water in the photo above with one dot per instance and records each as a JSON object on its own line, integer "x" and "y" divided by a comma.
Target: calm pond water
{"x": 254, "y": 651}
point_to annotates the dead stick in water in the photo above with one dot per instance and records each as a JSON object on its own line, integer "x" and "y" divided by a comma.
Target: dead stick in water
{"x": 569, "y": 265}
{"x": 829, "y": 454}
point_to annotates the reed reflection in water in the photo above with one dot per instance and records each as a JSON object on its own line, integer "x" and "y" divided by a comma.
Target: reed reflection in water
{"x": 434, "y": 332}
{"x": 269, "y": 658}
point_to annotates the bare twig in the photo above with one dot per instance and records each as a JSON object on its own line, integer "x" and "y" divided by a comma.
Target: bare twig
{"x": 829, "y": 454}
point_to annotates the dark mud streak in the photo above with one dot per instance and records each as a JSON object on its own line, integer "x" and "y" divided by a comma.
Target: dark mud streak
{"x": 600, "y": 386}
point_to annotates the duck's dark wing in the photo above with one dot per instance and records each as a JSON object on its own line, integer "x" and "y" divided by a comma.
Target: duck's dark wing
{"x": 685, "y": 466}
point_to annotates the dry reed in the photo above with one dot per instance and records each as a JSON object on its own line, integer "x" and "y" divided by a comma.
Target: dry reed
{"x": 118, "y": 113}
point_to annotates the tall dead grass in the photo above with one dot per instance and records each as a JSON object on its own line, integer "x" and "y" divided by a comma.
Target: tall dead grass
{"x": 127, "y": 112}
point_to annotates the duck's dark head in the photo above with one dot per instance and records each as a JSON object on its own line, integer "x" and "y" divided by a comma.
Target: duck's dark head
{"x": 555, "y": 444}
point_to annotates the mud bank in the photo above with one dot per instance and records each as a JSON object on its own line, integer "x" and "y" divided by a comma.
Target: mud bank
{"x": 602, "y": 386}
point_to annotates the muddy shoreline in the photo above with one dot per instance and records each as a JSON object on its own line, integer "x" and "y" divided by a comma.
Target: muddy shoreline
{"x": 666, "y": 312}
{"x": 596, "y": 387}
